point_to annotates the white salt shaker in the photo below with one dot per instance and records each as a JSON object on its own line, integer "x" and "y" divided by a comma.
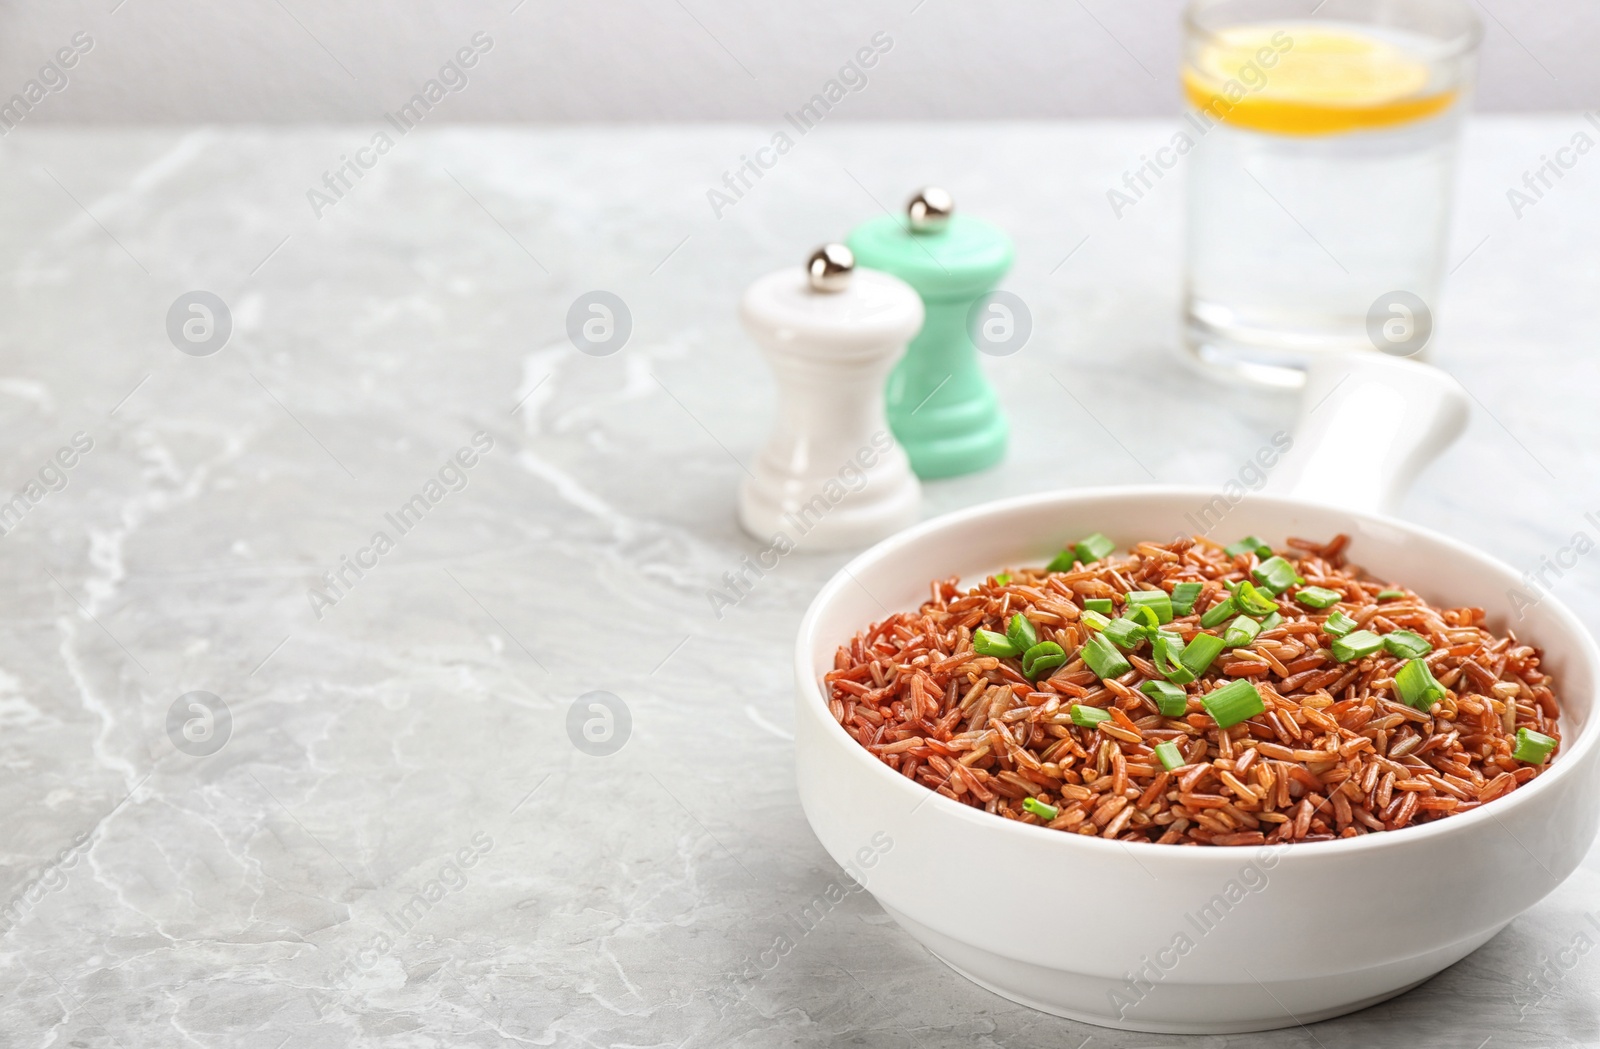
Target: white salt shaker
{"x": 832, "y": 475}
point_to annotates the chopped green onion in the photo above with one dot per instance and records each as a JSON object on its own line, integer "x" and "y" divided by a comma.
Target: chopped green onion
{"x": 1094, "y": 620}
{"x": 1338, "y": 624}
{"x": 990, "y": 643}
{"x": 1040, "y": 809}
{"x": 1157, "y": 600}
{"x": 1355, "y": 646}
{"x": 1128, "y": 634}
{"x": 1088, "y": 717}
{"x": 1275, "y": 574}
{"x": 1219, "y": 612}
{"x": 1062, "y": 562}
{"x": 1406, "y": 644}
{"x": 1241, "y": 631}
{"x": 1390, "y": 595}
{"x": 1234, "y": 702}
{"x": 1199, "y": 652}
{"x": 1248, "y": 544}
{"x": 1417, "y": 685}
{"x": 1184, "y": 596}
{"x": 1103, "y": 657}
{"x": 1021, "y": 633}
{"x": 1002, "y": 579}
{"x": 1318, "y": 596}
{"x": 1093, "y": 548}
{"x": 1102, "y": 605}
{"x": 1146, "y": 617}
{"x": 1532, "y": 747}
{"x": 1253, "y": 601}
{"x": 1271, "y": 621}
{"x": 1171, "y": 700}
{"x": 1167, "y": 655}
{"x": 1046, "y": 655}
{"x": 1169, "y": 755}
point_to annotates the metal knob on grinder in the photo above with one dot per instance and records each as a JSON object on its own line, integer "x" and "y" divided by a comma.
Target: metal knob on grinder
{"x": 829, "y": 268}
{"x": 929, "y": 210}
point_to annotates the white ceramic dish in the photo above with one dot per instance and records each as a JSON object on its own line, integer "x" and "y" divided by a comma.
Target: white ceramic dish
{"x": 1132, "y": 935}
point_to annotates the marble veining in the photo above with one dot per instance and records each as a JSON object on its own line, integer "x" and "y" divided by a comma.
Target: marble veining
{"x": 407, "y": 838}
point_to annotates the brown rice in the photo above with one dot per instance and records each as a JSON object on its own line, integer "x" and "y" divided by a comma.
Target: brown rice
{"x": 1334, "y": 753}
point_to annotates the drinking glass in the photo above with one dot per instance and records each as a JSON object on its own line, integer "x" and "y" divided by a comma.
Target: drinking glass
{"x": 1322, "y": 150}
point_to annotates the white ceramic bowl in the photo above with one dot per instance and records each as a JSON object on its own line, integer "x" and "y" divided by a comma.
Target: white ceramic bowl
{"x": 1189, "y": 940}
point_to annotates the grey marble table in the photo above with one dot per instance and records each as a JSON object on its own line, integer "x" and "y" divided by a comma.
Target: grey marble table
{"x": 401, "y": 735}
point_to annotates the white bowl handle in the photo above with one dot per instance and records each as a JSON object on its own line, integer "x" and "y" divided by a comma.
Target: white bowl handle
{"x": 1368, "y": 425}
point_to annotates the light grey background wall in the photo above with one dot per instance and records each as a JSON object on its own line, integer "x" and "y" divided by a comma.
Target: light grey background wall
{"x": 631, "y": 60}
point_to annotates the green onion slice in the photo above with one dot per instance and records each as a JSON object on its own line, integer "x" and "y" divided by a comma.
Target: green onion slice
{"x": 1252, "y": 601}
{"x": 1146, "y": 617}
{"x": 1275, "y": 574}
{"x": 1103, "y": 658}
{"x": 1093, "y": 548}
{"x": 1271, "y": 621}
{"x": 1021, "y": 633}
{"x": 1318, "y": 596}
{"x": 1102, "y": 605}
{"x": 1167, "y": 655}
{"x": 1002, "y": 579}
{"x": 990, "y": 643}
{"x": 1407, "y": 644}
{"x": 1094, "y": 620}
{"x": 1158, "y": 601}
{"x": 1355, "y": 646}
{"x": 1337, "y": 624}
{"x": 1169, "y": 755}
{"x": 1249, "y": 544}
{"x": 1241, "y": 631}
{"x": 1040, "y": 809}
{"x": 1390, "y": 595}
{"x": 1199, "y": 652}
{"x": 1046, "y": 655}
{"x": 1417, "y": 686}
{"x": 1218, "y": 613}
{"x": 1062, "y": 562}
{"x": 1170, "y": 699}
{"x": 1128, "y": 634}
{"x": 1088, "y": 717}
{"x": 1532, "y": 747}
{"x": 1184, "y": 596}
{"x": 1234, "y": 702}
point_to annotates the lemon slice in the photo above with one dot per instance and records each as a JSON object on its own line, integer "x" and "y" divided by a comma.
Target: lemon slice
{"x": 1320, "y": 81}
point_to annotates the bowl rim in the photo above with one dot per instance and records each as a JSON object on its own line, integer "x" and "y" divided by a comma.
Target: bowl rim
{"x": 1573, "y": 754}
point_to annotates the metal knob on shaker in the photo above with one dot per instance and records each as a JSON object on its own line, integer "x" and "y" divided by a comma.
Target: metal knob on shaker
{"x": 941, "y": 406}
{"x": 831, "y": 476}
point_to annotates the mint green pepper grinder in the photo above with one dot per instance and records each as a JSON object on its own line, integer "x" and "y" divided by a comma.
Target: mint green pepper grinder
{"x": 941, "y": 407}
